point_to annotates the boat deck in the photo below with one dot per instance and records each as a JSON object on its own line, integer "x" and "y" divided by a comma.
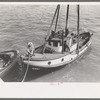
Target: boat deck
{"x": 48, "y": 56}
{"x": 51, "y": 56}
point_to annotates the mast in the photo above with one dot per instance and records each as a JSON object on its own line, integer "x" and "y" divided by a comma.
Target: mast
{"x": 62, "y": 42}
{"x": 66, "y": 30}
{"x": 67, "y": 13}
{"x": 78, "y": 13}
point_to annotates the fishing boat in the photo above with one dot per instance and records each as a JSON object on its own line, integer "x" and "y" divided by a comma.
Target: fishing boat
{"x": 60, "y": 47}
{"x": 7, "y": 61}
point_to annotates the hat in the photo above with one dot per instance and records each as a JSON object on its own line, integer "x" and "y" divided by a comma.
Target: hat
{"x": 30, "y": 44}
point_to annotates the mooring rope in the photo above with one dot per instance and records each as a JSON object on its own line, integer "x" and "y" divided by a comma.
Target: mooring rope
{"x": 26, "y": 70}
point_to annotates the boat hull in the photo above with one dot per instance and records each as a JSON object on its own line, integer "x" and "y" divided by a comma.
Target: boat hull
{"x": 10, "y": 64}
{"x": 60, "y": 61}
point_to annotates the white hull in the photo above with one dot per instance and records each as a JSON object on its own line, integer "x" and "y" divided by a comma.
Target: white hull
{"x": 63, "y": 60}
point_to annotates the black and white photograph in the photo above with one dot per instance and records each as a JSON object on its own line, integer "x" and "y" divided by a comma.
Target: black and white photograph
{"x": 49, "y": 42}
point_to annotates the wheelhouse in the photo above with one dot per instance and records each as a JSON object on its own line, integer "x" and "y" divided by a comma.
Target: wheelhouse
{"x": 55, "y": 44}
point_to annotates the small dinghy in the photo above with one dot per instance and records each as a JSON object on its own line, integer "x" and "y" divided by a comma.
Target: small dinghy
{"x": 61, "y": 47}
{"x": 7, "y": 61}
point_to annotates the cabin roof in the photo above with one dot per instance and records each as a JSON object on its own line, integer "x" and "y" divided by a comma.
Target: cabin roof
{"x": 57, "y": 39}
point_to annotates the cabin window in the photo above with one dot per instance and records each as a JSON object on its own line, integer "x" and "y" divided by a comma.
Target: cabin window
{"x": 55, "y": 43}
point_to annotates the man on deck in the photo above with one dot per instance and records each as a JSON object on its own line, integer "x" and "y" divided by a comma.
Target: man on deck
{"x": 30, "y": 49}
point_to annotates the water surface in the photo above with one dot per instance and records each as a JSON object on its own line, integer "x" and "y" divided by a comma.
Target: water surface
{"x": 20, "y": 24}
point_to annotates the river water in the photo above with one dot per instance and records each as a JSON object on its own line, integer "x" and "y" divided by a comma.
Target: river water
{"x": 20, "y": 24}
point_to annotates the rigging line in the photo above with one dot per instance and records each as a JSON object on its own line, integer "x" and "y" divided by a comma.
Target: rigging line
{"x": 26, "y": 70}
{"x": 52, "y": 22}
{"x": 49, "y": 33}
{"x": 78, "y": 13}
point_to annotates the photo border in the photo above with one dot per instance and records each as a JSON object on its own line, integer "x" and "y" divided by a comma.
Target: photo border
{"x": 95, "y": 86}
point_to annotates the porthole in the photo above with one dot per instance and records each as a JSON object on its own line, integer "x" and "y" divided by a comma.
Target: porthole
{"x": 49, "y": 63}
{"x": 62, "y": 59}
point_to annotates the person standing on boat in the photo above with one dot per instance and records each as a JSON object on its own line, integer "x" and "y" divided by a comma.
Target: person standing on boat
{"x": 70, "y": 39}
{"x": 66, "y": 48}
{"x": 30, "y": 49}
